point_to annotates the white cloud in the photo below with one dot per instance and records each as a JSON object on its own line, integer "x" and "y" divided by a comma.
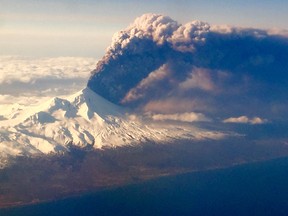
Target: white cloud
{"x": 29, "y": 81}
{"x": 245, "y": 120}
{"x": 184, "y": 117}
{"x": 22, "y": 75}
{"x": 25, "y": 70}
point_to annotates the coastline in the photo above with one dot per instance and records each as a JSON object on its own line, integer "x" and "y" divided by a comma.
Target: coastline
{"x": 92, "y": 191}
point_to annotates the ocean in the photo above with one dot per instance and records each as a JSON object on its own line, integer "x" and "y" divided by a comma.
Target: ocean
{"x": 259, "y": 188}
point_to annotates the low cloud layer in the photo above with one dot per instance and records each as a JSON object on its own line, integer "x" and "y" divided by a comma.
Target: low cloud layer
{"x": 216, "y": 69}
{"x": 25, "y": 81}
{"x": 183, "y": 117}
{"x": 43, "y": 76}
{"x": 245, "y": 120}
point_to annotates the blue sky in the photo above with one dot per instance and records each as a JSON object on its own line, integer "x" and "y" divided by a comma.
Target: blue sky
{"x": 85, "y": 27}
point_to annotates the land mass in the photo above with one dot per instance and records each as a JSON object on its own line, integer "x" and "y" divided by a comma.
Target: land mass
{"x": 36, "y": 179}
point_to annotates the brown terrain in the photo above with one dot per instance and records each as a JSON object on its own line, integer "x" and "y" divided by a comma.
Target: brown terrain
{"x": 44, "y": 178}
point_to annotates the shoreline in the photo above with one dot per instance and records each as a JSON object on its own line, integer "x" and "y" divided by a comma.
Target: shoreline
{"x": 79, "y": 194}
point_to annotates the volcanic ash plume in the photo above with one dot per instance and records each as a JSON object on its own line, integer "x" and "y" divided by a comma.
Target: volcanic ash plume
{"x": 157, "y": 60}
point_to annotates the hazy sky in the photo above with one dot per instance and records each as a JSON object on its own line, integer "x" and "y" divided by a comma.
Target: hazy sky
{"x": 50, "y": 28}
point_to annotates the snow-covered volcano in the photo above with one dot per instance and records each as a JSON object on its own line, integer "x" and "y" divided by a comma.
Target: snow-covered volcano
{"x": 83, "y": 119}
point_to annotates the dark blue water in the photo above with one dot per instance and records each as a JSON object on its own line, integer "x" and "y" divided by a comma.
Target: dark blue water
{"x": 254, "y": 189}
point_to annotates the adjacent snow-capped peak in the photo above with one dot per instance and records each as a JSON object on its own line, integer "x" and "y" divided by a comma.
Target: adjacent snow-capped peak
{"x": 82, "y": 119}
{"x": 51, "y": 125}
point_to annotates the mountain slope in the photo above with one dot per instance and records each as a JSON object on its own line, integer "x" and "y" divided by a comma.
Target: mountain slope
{"x": 84, "y": 119}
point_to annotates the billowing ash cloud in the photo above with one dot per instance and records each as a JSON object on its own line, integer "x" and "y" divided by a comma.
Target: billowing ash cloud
{"x": 157, "y": 64}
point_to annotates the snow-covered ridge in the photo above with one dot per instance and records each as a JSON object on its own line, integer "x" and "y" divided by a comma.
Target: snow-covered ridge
{"x": 82, "y": 119}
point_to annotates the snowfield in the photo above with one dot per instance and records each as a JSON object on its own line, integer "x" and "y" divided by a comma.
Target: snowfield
{"x": 82, "y": 119}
